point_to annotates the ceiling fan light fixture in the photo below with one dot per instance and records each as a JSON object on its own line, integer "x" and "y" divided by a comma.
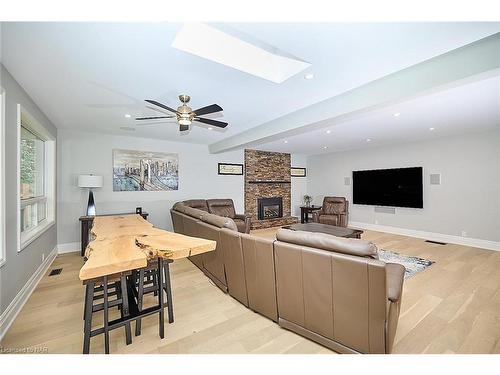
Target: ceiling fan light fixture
{"x": 184, "y": 121}
{"x": 185, "y": 116}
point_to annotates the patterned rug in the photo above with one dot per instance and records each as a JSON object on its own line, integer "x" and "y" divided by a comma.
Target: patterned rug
{"x": 413, "y": 265}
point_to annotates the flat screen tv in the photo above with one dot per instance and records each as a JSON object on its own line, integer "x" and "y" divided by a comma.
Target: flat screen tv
{"x": 398, "y": 187}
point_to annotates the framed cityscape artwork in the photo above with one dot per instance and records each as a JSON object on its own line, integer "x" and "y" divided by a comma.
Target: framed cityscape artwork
{"x": 145, "y": 171}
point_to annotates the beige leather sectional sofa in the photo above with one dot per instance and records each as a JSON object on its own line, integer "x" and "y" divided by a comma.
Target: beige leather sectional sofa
{"x": 329, "y": 289}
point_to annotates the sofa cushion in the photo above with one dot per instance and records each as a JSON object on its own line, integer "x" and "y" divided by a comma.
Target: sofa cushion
{"x": 328, "y": 242}
{"x": 219, "y": 221}
{"x": 193, "y": 212}
{"x": 179, "y": 206}
{"x": 221, "y": 207}
{"x": 200, "y": 204}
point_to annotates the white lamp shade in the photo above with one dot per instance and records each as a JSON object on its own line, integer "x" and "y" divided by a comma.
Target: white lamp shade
{"x": 89, "y": 181}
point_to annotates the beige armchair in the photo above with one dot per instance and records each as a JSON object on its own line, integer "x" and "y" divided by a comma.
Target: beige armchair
{"x": 333, "y": 212}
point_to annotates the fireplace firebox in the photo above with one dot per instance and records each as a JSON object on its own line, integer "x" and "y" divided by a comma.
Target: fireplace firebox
{"x": 270, "y": 208}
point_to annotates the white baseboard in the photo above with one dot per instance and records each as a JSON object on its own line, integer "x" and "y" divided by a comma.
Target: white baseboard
{"x": 447, "y": 238}
{"x": 10, "y": 314}
{"x": 70, "y": 247}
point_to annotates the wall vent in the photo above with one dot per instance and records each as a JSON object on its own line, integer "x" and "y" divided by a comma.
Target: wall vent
{"x": 385, "y": 210}
{"x": 436, "y": 242}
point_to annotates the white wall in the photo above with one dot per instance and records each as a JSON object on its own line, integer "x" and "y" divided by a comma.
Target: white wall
{"x": 84, "y": 152}
{"x": 19, "y": 267}
{"x": 468, "y": 198}
{"x": 299, "y": 184}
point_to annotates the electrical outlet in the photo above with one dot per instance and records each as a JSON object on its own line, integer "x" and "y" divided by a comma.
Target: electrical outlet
{"x": 464, "y": 233}
{"x": 376, "y": 221}
{"x": 43, "y": 257}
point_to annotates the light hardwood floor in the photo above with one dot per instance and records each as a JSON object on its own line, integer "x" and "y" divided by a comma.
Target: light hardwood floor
{"x": 451, "y": 307}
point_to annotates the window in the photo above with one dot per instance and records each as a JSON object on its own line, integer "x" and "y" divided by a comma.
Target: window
{"x": 32, "y": 190}
{"x": 36, "y": 171}
{"x": 2, "y": 177}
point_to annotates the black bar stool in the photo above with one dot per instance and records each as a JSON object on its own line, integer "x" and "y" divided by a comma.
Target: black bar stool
{"x": 146, "y": 281}
{"x": 101, "y": 289}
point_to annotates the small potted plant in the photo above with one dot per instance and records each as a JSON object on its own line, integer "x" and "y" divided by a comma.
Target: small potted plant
{"x": 307, "y": 200}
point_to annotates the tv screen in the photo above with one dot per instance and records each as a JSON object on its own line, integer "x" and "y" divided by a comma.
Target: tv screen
{"x": 398, "y": 187}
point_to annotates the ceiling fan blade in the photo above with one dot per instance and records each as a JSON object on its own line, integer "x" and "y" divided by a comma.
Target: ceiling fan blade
{"x": 153, "y": 118}
{"x": 154, "y": 122}
{"x": 208, "y": 109}
{"x": 208, "y": 121}
{"x": 161, "y": 105}
{"x": 183, "y": 128}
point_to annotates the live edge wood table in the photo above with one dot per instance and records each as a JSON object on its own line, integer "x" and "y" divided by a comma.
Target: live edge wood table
{"x": 122, "y": 244}
{"x": 86, "y": 222}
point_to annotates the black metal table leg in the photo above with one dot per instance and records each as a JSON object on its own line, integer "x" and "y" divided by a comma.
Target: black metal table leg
{"x": 87, "y": 325}
{"x": 124, "y": 309}
{"x": 168, "y": 289}
{"x": 140, "y": 296}
{"x": 106, "y": 320}
{"x": 155, "y": 281}
{"x": 160, "y": 298}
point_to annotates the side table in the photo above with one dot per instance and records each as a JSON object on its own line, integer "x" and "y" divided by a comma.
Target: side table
{"x": 305, "y": 211}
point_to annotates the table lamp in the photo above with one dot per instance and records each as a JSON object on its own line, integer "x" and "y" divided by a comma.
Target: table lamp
{"x": 90, "y": 181}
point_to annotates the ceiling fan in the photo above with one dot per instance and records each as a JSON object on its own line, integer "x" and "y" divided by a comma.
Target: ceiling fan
{"x": 185, "y": 115}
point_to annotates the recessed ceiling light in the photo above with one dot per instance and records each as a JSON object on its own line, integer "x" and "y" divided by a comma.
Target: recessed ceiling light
{"x": 285, "y": 141}
{"x": 128, "y": 116}
{"x": 328, "y": 131}
{"x": 127, "y": 128}
{"x": 368, "y": 140}
{"x": 309, "y": 76}
{"x": 431, "y": 129}
{"x": 397, "y": 114}
{"x": 325, "y": 147}
{"x": 210, "y": 128}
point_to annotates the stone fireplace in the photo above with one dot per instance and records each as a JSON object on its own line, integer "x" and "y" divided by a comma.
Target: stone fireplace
{"x": 268, "y": 188}
{"x": 270, "y": 208}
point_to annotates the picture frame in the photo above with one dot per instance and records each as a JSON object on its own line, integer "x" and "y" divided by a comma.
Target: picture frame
{"x": 230, "y": 169}
{"x": 297, "y": 172}
{"x": 135, "y": 170}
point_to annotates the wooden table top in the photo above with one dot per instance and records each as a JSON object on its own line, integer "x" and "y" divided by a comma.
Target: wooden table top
{"x": 127, "y": 242}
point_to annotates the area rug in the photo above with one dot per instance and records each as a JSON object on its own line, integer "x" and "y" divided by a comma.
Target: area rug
{"x": 413, "y": 265}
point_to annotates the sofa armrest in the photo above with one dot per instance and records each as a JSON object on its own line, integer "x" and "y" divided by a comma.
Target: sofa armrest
{"x": 241, "y": 216}
{"x": 247, "y": 219}
{"x": 394, "y": 281}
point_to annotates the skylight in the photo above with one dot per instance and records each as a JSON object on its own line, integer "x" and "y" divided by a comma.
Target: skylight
{"x": 212, "y": 44}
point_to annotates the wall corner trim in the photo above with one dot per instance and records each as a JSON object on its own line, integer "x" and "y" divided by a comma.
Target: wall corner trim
{"x": 440, "y": 237}
{"x": 11, "y": 312}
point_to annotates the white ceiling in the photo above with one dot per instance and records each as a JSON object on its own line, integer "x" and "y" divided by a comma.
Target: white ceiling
{"x": 468, "y": 108}
{"x": 89, "y": 75}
